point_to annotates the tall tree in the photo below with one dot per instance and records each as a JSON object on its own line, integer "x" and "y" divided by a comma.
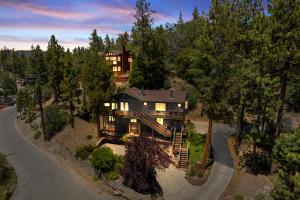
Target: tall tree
{"x": 38, "y": 72}
{"x": 195, "y": 13}
{"x": 286, "y": 41}
{"x": 97, "y": 79}
{"x": 148, "y": 67}
{"x": 69, "y": 84}
{"x": 54, "y": 61}
{"x": 108, "y": 43}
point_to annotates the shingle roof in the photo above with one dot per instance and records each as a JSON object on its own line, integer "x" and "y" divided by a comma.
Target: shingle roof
{"x": 168, "y": 96}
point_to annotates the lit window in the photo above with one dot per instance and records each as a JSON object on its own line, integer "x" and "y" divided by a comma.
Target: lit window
{"x": 130, "y": 60}
{"x": 113, "y": 106}
{"x": 160, "y": 107}
{"x": 133, "y": 120}
{"x": 107, "y": 58}
{"x": 186, "y": 105}
{"x": 115, "y": 69}
{"x": 119, "y": 68}
{"x": 114, "y": 62}
{"x": 111, "y": 118}
{"x": 113, "y": 58}
{"x": 124, "y": 106}
{"x": 145, "y": 103}
{"x": 160, "y": 120}
{"x": 107, "y": 104}
{"x": 179, "y": 105}
{"x": 119, "y": 58}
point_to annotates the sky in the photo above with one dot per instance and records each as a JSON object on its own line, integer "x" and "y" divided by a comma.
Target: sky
{"x": 30, "y": 22}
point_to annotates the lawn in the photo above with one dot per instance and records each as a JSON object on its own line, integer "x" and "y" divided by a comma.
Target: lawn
{"x": 196, "y": 145}
{"x": 8, "y": 179}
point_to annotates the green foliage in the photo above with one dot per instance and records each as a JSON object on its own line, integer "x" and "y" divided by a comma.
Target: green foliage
{"x": 8, "y": 179}
{"x": 107, "y": 163}
{"x": 84, "y": 151}
{"x": 196, "y": 145}
{"x": 7, "y": 84}
{"x": 286, "y": 181}
{"x": 55, "y": 120}
{"x": 239, "y": 197}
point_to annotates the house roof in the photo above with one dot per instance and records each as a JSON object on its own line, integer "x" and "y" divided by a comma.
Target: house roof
{"x": 168, "y": 96}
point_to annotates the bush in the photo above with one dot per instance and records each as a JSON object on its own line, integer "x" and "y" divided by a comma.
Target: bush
{"x": 106, "y": 163}
{"x": 55, "y": 120}
{"x": 84, "y": 151}
{"x": 193, "y": 99}
{"x": 239, "y": 197}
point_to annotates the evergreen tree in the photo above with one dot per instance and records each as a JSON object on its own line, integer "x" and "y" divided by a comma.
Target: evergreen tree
{"x": 98, "y": 80}
{"x": 54, "y": 61}
{"x": 195, "y": 13}
{"x": 69, "y": 84}
{"x": 108, "y": 43}
{"x": 286, "y": 41}
{"x": 148, "y": 66}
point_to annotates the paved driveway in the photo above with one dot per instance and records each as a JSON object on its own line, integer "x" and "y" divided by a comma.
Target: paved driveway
{"x": 39, "y": 177}
{"x": 176, "y": 187}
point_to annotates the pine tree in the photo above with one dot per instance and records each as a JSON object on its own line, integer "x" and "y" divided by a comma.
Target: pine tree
{"x": 54, "y": 61}
{"x": 69, "y": 84}
{"x": 108, "y": 43}
{"x": 195, "y": 13}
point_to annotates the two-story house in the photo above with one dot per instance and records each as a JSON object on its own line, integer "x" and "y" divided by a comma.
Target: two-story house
{"x": 121, "y": 62}
{"x": 136, "y": 110}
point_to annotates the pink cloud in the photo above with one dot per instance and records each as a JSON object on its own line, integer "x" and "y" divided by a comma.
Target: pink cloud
{"x": 46, "y": 11}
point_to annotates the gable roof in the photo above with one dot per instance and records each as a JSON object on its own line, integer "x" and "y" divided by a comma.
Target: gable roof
{"x": 167, "y": 96}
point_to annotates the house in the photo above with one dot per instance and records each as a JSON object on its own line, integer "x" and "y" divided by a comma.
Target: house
{"x": 121, "y": 62}
{"x": 136, "y": 110}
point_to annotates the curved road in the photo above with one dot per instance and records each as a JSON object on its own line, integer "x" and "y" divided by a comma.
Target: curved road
{"x": 39, "y": 177}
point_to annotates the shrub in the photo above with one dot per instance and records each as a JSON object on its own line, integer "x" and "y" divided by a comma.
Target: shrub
{"x": 106, "y": 163}
{"x": 193, "y": 99}
{"x": 239, "y": 197}
{"x": 84, "y": 151}
{"x": 55, "y": 120}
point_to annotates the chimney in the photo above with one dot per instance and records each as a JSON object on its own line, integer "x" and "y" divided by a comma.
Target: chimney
{"x": 171, "y": 93}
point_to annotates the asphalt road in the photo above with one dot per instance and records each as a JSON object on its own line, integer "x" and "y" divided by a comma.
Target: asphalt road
{"x": 39, "y": 176}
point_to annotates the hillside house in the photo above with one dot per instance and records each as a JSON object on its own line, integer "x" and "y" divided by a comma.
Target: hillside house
{"x": 121, "y": 62}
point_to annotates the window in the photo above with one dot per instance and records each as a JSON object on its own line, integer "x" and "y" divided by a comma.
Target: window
{"x": 107, "y": 58}
{"x": 179, "y": 105}
{"x": 111, "y": 118}
{"x": 124, "y": 106}
{"x": 186, "y": 105}
{"x": 107, "y": 104}
{"x": 113, "y": 58}
{"x": 160, "y": 120}
{"x": 160, "y": 107}
{"x": 130, "y": 60}
{"x": 133, "y": 120}
{"x": 119, "y": 68}
{"x": 145, "y": 103}
{"x": 119, "y": 58}
{"x": 114, "y": 62}
{"x": 113, "y": 106}
{"x": 115, "y": 68}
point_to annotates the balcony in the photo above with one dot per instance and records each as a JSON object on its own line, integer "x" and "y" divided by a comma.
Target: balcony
{"x": 155, "y": 114}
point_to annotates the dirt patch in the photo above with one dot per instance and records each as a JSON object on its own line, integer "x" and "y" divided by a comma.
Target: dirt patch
{"x": 62, "y": 148}
{"x": 243, "y": 183}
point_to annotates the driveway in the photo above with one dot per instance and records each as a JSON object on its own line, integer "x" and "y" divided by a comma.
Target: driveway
{"x": 39, "y": 176}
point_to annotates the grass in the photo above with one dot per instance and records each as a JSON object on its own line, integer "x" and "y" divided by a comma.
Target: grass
{"x": 8, "y": 179}
{"x": 196, "y": 149}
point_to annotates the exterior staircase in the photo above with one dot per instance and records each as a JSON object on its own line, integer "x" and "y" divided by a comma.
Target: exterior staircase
{"x": 183, "y": 158}
{"x": 152, "y": 123}
{"x": 177, "y": 141}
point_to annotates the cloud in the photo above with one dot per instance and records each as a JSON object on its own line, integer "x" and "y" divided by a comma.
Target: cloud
{"x": 46, "y": 10}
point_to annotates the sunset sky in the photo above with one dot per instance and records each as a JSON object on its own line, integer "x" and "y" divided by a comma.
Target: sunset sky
{"x": 24, "y": 23}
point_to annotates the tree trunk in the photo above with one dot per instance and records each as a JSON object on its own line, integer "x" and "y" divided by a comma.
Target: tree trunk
{"x": 282, "y": 96}
{"x": 264, "y": 117}
{"x": 41, "y": 111}
{"x": 71, "y": 114}
{"x": 207, "y": 145}
{"x": 98, "y": 121}
{"x": 239, "y": 128}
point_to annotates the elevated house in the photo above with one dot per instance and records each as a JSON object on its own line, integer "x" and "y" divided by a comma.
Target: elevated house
{"x": 161, "y": 112}
{"x": 121, "y": 62}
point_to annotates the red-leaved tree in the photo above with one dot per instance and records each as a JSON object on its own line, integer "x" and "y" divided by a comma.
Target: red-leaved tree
{"x": 143, "y": 155}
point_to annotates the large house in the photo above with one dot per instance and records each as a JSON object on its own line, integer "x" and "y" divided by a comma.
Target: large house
{"x": 121, "y": 62}
{"x": 136, "y": 110}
